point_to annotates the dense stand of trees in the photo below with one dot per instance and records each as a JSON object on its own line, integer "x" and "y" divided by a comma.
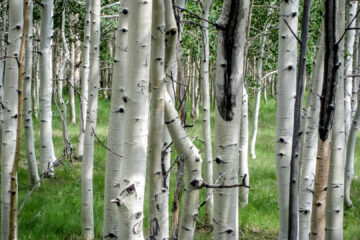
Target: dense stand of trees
{"x": 156, "y": 59}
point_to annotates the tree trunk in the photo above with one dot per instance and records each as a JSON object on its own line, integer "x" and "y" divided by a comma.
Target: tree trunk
{"x": 27, "y": 112}
{"x": 205, "y": 81}
{"x": 309, "y": 147}
{"x": 36, "y": 80}
{"x": 156, "y": 226}
{"x": 335, "y": 191}
{"x": 259, "y": 79}
{"x": 10, "y": 104}
{"x": 88, "y": 159}
{"x": 84, "y": 80}
{"x": 329, "y": 94}
{"x": 285, "y": 107}
{"x": 244, "y": 150}
{"x": 192, "y": 160}
{"x": 136, "y": 101}
{"x": 349, "y": 47}
{"x": 47, "y": 154}
{"x": 229, "y": 83}
{"x": 116, "y": 126}
{"x": 177, "y": 199}
{"x": 71, "y": 84}
{"x": 2, "y": 63}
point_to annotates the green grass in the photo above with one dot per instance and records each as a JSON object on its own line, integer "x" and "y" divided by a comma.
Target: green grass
{"x": 54, "y": 210}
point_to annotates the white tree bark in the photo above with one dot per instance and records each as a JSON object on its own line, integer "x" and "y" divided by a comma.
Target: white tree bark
{"x": 205, "y": 90}
{"x": 2, "y": 63}
{"x": 229, "y": 82}
{"x": 71, "y": 84}
{"x": 10, "y": 105}
{"x": 27, "y": 110}
{"x": 47, "y": 154}
{"x": 116, "y": 126}
{"x": 310, "y": 142}
{"x": 36, "y": 80}
{"x": 192, "y": 159}
{"x": 356, "y": 69}
{"x": 84, "y": 80}
{"x": 349, "y": 47}
{"x": 259, "y": 85}
{"x": 244, "y": 150}
{"x": 157, "y": 77}
{"x": 136, "y": 107}
{"x": 335, "y": 191}
{"x": 88, "y": 159}
{"x": 287, "y": 63}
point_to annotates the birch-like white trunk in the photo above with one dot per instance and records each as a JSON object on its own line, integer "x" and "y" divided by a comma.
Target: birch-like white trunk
{"x": 310, "y": 141}
{"x": 193, "y": 161}
{"x": 244, "y": 150}
{"x": 47, "y": 154}
{"x": 84, "y": 80}
{"x": 115, "y": 141}
{"x": 349, "y": 47}
{"x": 71, "y": 84}
{"x": 335, "y": 190}
{"x": 88, "y": 159}
{"x": 229, "y": 82}
{"x": 286, "y": 86}
{"x": 2, "y": 63}
{"x": 259, "y": 78}
{"x": 136, "y": 108}
{"x": 205, "y": 90}
{"x": 356, "y": 69}
{"x": 10, "y": 105}
{"x": 27, "y": 110}
{"x": 157, "y": 77}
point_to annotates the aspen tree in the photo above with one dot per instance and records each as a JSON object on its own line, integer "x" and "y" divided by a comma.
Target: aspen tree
{"x": 229, "y": 82}
{"x": 259, "y": 69}
{"x": 27, "y": 109}
{"x": 2, "y": 63}
{"x": 157, "y": 77}
{"x": 287, "y": 63}
{"x": 356, "y": 69}
{"x": 335, "y": 189}
{"x": 10, "y": 105}
{"x": 136, "y": 102}
{"x": 309, "y": 147}
{"x": 349, "y": 46}
{"x": 115, "y": 142}
{"x": 333, "y": 72}
{"x": 193, "y": 161}
{"x": 205, "y": 91}
{"x": 47, "y": 154}
{"x": 84, "y": 80}
{"x": 71, "y": 85}
{"x": 91, "y": 117}
{"x": 244, "y": 149}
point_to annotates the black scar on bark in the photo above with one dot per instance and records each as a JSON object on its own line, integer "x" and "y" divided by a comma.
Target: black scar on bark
{"x": 226, "y": 102}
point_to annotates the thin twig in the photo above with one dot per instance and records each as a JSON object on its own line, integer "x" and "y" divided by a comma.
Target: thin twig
{"x": 294, "y": 34}
{"x": 103, "y": 145}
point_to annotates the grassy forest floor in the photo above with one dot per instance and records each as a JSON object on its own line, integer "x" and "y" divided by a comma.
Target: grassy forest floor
{"x": 54, "y": 210}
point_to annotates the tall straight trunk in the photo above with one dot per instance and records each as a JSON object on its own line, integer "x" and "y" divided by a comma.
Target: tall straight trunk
{"x": 136, "y": 101}
{"x": 84, "y": 80}
{"x": 10, "y": 104}
{"x": 295, "y": 152}
{"x": 27, "y": 112}
{"x": 88, "y": 159}
{"x": 36, "y": 80}
{"x": 206, "y": 110}
{"x": 192, "y": 161}
{"x": 2, "y": 63}
{"x": 116, "y": 123}
{"x": 356, "y": 70}
{"x": 177, "y": 199}
{"x": 170, "y": 73}
{"x": 328, "y": 102}
{"x": 350, "y": 148}
{"x": 71, "y": 84}
{"x": 349, "y": 47}
{"x": 244, "y": 150}
{"x": 309, "y": 147}
{"x": 47, "y": 154}
{"x": 285, "y": 107}
{"x": 335, "y": 191}
{"x": 157, "y": 77}
{"x": 229, "y": 82}
{"x": 259, "y": 79}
